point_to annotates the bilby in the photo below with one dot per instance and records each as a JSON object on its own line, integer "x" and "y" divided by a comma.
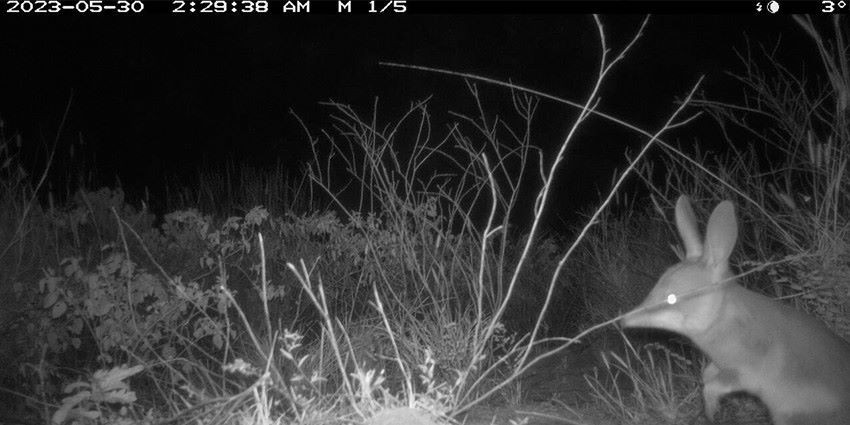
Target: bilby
{"x": 792, "y": 362}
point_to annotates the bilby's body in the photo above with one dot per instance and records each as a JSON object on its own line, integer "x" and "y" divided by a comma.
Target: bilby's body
{"x": 791, "y": 361}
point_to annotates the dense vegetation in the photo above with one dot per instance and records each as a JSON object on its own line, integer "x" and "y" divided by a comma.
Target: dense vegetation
{"x": 396, "y": 285}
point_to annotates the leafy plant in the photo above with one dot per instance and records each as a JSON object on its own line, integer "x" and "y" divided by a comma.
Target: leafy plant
{"x": 95, "y": 401}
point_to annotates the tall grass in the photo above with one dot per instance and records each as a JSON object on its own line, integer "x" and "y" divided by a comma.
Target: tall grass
{"x": 232, "y": 188}
{"x": 436, "y": 221}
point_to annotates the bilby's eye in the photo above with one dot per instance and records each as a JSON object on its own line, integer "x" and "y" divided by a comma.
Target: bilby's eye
{"x": 671, "y": 299}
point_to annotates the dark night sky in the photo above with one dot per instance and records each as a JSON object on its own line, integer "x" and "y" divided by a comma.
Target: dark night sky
{"x": 153, "y": 95}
